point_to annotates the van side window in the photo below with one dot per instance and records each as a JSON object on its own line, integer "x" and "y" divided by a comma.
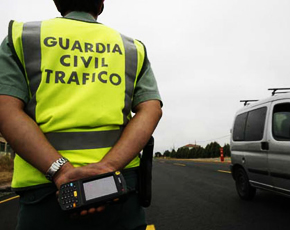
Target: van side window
{"x": 239, "y": 127}
{"x": 281, "y": 122}
{"x": 255, "y": 125}
{"x": 250, "y": 126}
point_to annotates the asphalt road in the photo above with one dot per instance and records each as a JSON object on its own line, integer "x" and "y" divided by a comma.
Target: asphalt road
{"x": 202, "y": 196}
{"x": 8, "y": 211}
{"x": 197, "y": 196}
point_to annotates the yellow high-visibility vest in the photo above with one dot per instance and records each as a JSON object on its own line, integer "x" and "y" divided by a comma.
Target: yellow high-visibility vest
{"x": 81, "y": 78}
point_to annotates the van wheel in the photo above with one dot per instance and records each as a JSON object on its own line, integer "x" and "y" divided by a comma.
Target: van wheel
{"x": 243, "y": 186}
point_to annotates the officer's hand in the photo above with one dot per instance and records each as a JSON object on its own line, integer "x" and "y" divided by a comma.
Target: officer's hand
{"x": 68, "y": 172}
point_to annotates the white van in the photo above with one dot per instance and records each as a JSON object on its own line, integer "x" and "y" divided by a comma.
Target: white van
{"x": 260, "y": 146}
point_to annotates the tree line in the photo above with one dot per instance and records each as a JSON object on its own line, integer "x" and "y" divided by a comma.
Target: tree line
{"x": 212, "y": 150}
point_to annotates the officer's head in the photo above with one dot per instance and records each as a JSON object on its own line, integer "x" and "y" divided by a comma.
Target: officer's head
{"x": 95, "y": 7}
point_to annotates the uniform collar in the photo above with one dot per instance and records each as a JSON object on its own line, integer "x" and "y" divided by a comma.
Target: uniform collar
{"x": 82, "y": 16}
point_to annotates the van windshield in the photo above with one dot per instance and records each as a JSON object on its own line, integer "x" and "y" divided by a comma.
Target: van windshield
{"x": 281, "y": 122}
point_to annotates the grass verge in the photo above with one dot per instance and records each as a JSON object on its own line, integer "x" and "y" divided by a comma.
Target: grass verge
{"x": 5, "y": 178}
{"x": 6, "y": 170}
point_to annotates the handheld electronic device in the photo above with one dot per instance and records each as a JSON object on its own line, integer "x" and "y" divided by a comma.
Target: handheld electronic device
{"x": 93, "y": 191}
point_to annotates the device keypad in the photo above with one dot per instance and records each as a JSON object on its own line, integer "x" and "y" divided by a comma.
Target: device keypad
{"x": 69, "y": 196}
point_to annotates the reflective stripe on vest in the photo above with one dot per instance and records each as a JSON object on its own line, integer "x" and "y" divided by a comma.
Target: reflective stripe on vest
{"x": 32, "y": 56}
{"x": 130, "y": 70}
{"x": 83, "y": 140}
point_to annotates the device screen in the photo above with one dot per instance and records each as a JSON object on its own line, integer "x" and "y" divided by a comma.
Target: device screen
{"x": 98, "y": 188}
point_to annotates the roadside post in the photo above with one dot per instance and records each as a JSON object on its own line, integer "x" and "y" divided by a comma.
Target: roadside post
{"x": 222, "y": 154}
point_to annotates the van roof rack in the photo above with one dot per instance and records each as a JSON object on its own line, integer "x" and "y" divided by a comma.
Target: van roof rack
{"x": 246, "y": 102}
{"x": 278, "y": 89}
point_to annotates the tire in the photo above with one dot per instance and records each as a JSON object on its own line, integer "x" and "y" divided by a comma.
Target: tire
{"x": 243, "y": 186}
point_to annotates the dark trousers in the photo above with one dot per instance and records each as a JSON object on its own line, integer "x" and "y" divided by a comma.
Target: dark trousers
{"x": 39, "y": 210}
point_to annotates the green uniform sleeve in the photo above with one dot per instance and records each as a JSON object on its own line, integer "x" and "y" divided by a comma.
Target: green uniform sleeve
{"x": 146, "y": 87}
{"x": 12, "y": 79}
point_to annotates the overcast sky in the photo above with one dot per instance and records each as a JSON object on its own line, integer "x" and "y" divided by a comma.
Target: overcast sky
{"x": 207, "y": 55}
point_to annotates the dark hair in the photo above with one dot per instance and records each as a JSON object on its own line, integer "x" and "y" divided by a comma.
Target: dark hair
{"x": 90, "y": 6}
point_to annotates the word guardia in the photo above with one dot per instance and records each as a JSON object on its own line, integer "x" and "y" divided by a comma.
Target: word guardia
{"x": 84, "y": 47}
{"x": 74, "y": 60}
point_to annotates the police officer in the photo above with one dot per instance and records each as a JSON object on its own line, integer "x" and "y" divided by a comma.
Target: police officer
{"x": 67, "y": 89}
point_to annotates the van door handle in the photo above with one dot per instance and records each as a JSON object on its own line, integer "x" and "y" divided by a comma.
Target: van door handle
{"x": 265, "y": 145}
